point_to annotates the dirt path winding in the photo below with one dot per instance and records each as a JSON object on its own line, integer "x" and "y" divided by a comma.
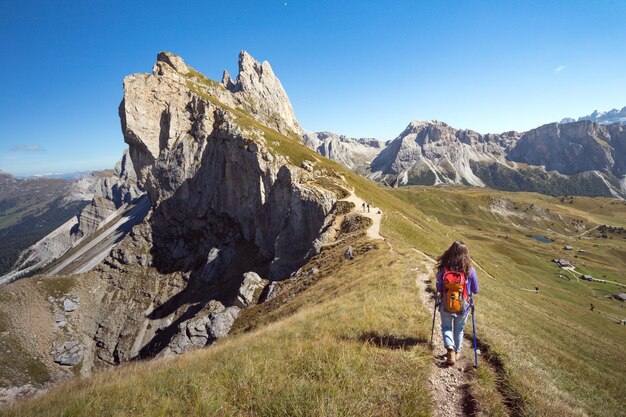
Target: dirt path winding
{"x": 448, "y": 384}
{"x": 374, "y": 213}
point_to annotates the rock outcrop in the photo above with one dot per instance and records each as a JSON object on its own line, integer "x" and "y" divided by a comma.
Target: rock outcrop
{"x": 261, "y": 93}
{"x": 230, "y": 213}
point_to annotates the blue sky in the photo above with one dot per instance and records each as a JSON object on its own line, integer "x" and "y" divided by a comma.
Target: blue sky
{"x": 361, "y": 68}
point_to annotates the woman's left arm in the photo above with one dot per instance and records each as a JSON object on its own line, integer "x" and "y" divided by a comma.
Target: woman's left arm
{"x": 473, "y": 281}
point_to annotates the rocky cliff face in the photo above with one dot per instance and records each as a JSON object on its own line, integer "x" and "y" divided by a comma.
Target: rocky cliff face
{"x": 432, "y": 152}
{"x": 229, "y": 212}
{"x": 118, "y": 185}
{"x": 583, "y": 158}
{"x": 567, "y": 148}
{"x": 353, "y": 153}
{"x": 205, "y": 170}
{"x": 591, "y": 155}
{"x": 262, "y": 95}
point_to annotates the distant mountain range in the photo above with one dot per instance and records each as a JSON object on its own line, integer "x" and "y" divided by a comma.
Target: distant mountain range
{"x": 59, "y": 175}
{"x": 577, "y": 158}
{"x": 41, "y": 217}
{"x": 604, "y": 117}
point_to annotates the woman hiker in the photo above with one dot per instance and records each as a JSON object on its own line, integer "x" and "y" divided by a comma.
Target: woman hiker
{"x": 456, "y": 283}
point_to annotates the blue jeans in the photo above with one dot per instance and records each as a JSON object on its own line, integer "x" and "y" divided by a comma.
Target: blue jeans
{"x": 453, "y": 338}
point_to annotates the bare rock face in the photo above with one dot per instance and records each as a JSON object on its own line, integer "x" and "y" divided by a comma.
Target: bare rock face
{"x": 92, "y": 216}
{"x": 571, "y": 148}
{"x": 353, "y": 153}
{"x": 227, "y": 209}
{"x": 261, "y": 92}
{"x": 118, "y": 185}
{"x": 432, "y": 152}
{"x": 580, "y": 158}
{"x": 212, "y": 180}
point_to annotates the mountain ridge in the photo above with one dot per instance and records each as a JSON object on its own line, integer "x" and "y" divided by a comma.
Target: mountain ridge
{"x": 580, "y": 158}
{"x": 604, "y": 117}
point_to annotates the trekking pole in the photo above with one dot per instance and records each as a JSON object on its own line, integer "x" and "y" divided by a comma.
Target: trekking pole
{"x": 432, "y": 330}
{"x": 474, "y": 329}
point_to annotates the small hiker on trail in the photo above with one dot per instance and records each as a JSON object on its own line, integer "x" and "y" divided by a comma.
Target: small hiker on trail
{"x": 363, "y": 205}
{"x": 592, "y": 307}
{"x": 456, "y": 282}
{"x": 536, "y": 289}
{"x": 368, "y": 208}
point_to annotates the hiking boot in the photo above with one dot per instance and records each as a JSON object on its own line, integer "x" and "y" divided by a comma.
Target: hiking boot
{"x": 458, "y": 355}
{"x": 450, "y": 357}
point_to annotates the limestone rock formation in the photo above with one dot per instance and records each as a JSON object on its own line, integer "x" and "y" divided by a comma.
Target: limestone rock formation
{"x": 579, "y": 158}
{"x": 431, "y": 152}
{"x": 93, "y": 215}
{"x": 250, "y": 289}
{"x": 118, "y": 185}
{"x": 206, "y": 170}
{"x": 260, "y": 92}
{"x": 573, "y": 147}
{"x": 227, "y": 209}
{"x": 353, "y": 153}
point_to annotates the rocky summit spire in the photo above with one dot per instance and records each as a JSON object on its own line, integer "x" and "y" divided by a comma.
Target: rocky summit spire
{"x": 258, "y": 85}
{"x": 167, "y": 61}
{"x": 227, "y": 81}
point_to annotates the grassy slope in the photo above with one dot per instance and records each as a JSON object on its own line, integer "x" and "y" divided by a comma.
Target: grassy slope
{"x": 314, "y": 360}
{"x": 562, "y": 358}
{"x": 311, "y": 355}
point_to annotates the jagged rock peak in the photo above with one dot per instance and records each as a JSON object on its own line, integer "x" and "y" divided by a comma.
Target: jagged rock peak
{"x": 173, "y": 61}
{"x": 604, "y": 117}
{"x": 417, "y": 124}
{"x": 124, "y": 167}
{"x": 227, "y": 81}
{"x": 258, "y": 85}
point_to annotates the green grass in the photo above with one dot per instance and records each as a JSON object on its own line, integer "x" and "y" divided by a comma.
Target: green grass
{"x": 314, "y": 361}
{"x": 17, "y": 365}
{"x": 560, "y": 357}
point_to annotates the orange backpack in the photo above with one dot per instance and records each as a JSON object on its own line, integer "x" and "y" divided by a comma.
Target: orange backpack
{"x": 455, "y": 295}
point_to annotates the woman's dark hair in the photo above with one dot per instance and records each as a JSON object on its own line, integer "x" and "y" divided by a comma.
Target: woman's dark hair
{"x": 456, "y": 257}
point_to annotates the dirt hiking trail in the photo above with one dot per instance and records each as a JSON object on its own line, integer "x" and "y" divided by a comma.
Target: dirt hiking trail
{"x": 448, "y": 384}
{"x": 374, "y": 213}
